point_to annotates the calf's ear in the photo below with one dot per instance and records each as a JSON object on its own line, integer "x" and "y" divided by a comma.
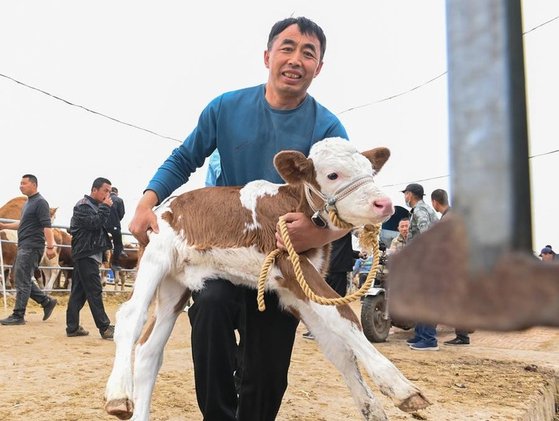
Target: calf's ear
{"x": 293, "y": 166}
{"x": 377, "y": 156}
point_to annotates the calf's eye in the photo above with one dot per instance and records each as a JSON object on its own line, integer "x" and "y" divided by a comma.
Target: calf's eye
{"x": 332, "y": 176}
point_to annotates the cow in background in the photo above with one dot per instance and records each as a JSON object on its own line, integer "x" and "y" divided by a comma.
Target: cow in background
{"x": 12, "y": 208}
{"x": 129, "y": 261}
{"x": 65, "y": 261}
{"x": 9, "y": 252}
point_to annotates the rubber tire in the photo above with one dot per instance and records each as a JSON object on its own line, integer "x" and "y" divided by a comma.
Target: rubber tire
{"x": 375, "y": 327}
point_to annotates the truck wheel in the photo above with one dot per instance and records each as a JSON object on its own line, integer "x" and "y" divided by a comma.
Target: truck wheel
{"x": 376, "y": 325}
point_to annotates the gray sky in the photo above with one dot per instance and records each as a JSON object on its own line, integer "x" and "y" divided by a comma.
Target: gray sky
{"x": 156, "y": 65}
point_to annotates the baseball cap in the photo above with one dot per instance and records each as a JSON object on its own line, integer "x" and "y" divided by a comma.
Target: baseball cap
{"x": 415, "y": 188}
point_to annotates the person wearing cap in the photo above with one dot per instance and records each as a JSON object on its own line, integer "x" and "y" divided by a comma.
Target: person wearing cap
{"x": 422, "y": 218}
{"x": 547, "y": 254}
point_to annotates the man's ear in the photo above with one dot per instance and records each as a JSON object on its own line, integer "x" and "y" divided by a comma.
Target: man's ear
{"x": 377, "y": 156}
{"x": 318, "y": 69}
{"x": 294, "y": 167}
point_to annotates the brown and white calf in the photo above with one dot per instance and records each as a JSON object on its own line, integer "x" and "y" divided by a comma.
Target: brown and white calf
{"x": 226, "y": 232}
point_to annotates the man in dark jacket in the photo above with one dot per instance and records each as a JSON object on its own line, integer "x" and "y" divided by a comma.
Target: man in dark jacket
{"x": 89, "y": 241}
{"x": 114, "y": 228}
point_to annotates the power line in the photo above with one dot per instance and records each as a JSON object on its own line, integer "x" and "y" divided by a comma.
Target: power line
{"x": 388, "y": 98}
{"x": 446, "y": 176}
{"x": 430, "y": 80}
{"x": 116, "y": 120}
{"x": 540, "y": 25}
{"x": 89, "y": 109}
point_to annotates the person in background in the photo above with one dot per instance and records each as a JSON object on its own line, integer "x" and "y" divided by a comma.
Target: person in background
{"x": 547, "y": 254}
{"x": 439, "y": 200}
{"x": 114, "y": 228}
{"x": 89, "y": 241}
{"x": 362, "y": 267}
{"x": 33, "y": 228}
{"x": 422, "y": 218}
{"x": 400, "y": 241}
{"x": 248, "y": 127}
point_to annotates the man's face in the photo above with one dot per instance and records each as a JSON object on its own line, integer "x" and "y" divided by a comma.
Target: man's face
{"x": 403, "y": 228}
{"x": 101, "y": 193}
{"x": 407, "y": 198}
{"x": 27, "y": 187}
{"x": 293, "y": 60}
{"x": 547, "y": 257}
{"x": 435, "y": 205}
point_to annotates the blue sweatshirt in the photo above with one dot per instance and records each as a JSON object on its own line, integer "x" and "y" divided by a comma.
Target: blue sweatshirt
{"x": 247, "y": 133}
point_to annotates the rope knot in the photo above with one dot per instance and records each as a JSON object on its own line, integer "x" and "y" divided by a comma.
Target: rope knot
{"x": 368, "y": 237}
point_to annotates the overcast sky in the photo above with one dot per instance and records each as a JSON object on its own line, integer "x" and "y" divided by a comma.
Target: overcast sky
{"x": 155, "y": 65}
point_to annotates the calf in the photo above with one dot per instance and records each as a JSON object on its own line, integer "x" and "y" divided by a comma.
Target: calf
{"x": 226, "y": 232}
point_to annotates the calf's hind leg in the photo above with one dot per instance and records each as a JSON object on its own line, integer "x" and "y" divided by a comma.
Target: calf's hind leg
{"x": 342, "y": 357}
{"x": 171, "y": 299}
{"x": 336, "y": 327}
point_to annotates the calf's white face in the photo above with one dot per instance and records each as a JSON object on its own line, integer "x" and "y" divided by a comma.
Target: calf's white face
{"x": 337, "y": 164}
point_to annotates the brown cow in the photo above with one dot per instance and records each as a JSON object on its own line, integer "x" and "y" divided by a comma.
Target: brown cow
{"x": 227, "y": 232}
{"x": 12, "y": 209}
{"x": 9, "y": 251}
{"x": 64, "y": 260}
{"x": 128, "y": 261}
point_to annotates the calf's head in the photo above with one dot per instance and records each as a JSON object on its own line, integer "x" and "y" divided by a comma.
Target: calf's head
{"x": 337, "y": 176}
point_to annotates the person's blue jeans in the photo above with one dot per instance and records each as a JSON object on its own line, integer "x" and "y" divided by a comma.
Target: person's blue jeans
{"x": 426, "y": 333}
{"x": 27, "y": 261}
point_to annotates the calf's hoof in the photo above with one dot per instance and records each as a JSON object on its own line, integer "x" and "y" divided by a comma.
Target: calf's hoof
{"x": 120, "y": 408}
{"x": 414, "y": 403}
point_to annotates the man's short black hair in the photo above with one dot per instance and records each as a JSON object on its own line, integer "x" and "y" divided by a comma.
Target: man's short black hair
{"x": 440, "y": 196}
{"x": 306, "y": 26}
{"x": 98, "y": 183}
{"x": 31, "y": 178}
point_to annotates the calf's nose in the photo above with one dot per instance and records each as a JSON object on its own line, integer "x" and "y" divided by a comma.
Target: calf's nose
{"x": 384, "y": 206}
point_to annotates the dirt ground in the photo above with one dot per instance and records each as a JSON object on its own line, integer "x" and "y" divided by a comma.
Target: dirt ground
{"x": 47, "y": 376}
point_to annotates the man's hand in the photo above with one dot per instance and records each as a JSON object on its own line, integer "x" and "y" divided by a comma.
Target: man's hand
{"x": 108, "y": 201}
{"x": 305, "y": 235}
{"x": 144, "y": 219}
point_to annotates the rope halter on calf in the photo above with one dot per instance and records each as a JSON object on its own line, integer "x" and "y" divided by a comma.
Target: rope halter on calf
{"x": 368, "y": 239}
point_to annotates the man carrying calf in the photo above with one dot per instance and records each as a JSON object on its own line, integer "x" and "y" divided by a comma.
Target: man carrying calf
{"x": 248, "y": 127}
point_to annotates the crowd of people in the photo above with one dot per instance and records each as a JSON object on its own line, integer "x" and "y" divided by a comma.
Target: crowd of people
{"x": 242, "y": 131}
{"x": 89, "y": 227}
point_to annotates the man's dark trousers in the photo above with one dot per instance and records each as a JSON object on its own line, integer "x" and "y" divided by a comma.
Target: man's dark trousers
{"x": 27, "y": 261}
{"x": 86, "y": 286}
